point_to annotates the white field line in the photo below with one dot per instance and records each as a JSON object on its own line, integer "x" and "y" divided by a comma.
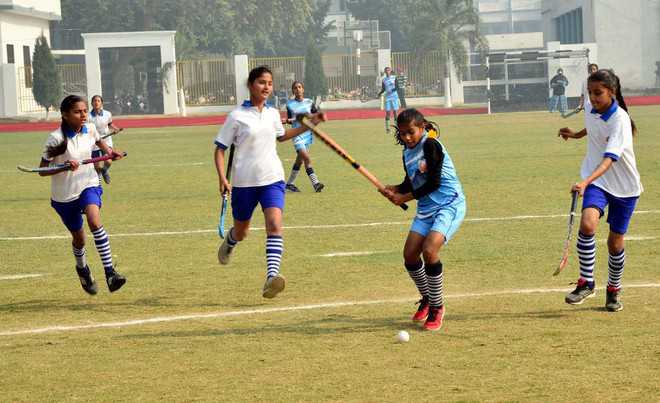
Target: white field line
{"x": 20, "y": 276}
{"x": 364, "y": 253}
{"x": 322, "y": 226}
{"x": 226, "y": 314}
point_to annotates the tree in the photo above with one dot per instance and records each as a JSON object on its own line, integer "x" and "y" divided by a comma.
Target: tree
{"x": 315, "y": 82}
{"x": 46, "y": 83}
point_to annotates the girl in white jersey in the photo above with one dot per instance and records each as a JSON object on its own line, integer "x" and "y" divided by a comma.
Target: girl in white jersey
{"x": 102, "y": 119}
{"x": 76, "y": 190}
{"x": 257, "y": 173}
{"x": 609, "y": 178}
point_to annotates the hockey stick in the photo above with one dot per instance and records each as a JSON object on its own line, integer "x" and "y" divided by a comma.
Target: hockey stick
{"x": 105, "y": 136}
{"x": 573, "y": 112}
{"x": 225, "y": 195}
{"x": 342, "y": 153}
{"x": 57, "y": 167}
{"x": 567, "y": 243}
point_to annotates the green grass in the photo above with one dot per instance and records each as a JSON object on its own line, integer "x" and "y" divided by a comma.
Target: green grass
{"x": 498, "y": 346}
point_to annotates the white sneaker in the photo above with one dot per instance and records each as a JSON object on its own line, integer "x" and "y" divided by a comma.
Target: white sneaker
{"x": 273, "y": 286}
{"x": 224, "y": 252}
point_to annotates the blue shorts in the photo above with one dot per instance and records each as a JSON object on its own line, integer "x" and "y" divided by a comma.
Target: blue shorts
{"x": 618, "y": 214}
{"x": 97, "y": 153}
{"x": 71, "y": 212}
{"x": 392, "y": 104}
{"x": 303, "y": 141}
{"x": 244, "y": 200}
{"x": 446, "y": 220}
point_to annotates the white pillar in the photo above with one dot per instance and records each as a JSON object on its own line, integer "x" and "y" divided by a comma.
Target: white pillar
{"x": 168, "y": 57}
{"x": 8, "y": 91}
{"x": 241, "y": 72}
{"x": 384, "y": 59}
{"x": 93, "y": 70}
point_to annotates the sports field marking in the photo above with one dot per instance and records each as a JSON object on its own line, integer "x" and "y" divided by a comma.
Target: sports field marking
{"x": 322, "y": 226}
{"x": 20, "y": 276}
{"x": 364, "y": 253}
{"x": 226, "y": 314}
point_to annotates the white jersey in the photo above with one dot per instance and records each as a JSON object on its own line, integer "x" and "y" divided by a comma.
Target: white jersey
{"x": 67, "y": 186}
{"x": 586, "y": 103}
{"x": 254, "y": 136}
{"x": 102, "y": 120}
{"x": 610, "y": 135}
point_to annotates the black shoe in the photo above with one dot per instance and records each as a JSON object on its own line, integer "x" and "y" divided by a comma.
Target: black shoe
{"x": 318, "y": 186}
{"x": 613, "y": 300}
{"x": 115, "y": 281}
{"x": 290, "y": 187}
{"x": 583, "y": 291}
{"x": 87, "y": 280}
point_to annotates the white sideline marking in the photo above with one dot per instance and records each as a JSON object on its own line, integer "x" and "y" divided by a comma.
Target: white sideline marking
{"x": 20, "y": 276}
{"x": 365, "y": 253}
{"x": 322, "y": 226}
{"x": 215, "y": 315}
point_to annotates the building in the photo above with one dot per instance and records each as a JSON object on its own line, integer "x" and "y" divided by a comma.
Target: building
{"x": 21, "y": 23}
{"x": 627, "y": 34}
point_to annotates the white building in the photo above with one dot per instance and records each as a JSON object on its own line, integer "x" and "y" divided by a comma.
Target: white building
{"x": 627, "y": 34}
{"x": 21, "y": 23}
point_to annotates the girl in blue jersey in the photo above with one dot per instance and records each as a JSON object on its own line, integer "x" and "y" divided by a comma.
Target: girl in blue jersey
{"x": 388, "y": 87}
{"x": 432, "y": 180}
{"x": 302, "y": 143}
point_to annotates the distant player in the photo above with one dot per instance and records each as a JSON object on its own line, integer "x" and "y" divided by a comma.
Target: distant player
{"x": 401, "y": 84}
{"x": 102, "y": 119}
{"x": 75, "y": 190}
{"x": 584, "y": 96}
{"x": 257, "y": 173}
{"x": 388, "y": 87}
{"x": 302, "y": 143}
{"x": 430, "y": 178}
{"x": 609, "y": 178}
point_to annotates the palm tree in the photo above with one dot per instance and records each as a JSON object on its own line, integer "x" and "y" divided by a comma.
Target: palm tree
{"x": 444, "y": 26}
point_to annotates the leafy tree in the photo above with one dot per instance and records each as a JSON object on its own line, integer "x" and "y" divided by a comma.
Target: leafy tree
{"x": 46, "y": 83}
{"x": 316, "y": 83}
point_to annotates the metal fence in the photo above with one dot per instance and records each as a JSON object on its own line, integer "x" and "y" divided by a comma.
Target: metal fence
{"x": 425, "y": 76}
{"x": 72, "y": 77}
{"x": 207, "y": 82}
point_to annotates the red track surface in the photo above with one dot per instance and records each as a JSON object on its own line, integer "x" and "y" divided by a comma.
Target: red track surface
{"x": 348, "y": 114}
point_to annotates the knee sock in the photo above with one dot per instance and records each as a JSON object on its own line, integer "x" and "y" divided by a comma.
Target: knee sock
{"x": 294, "y": 174}
{"x": 312, "y": 176}
{"x": 418, "y": 275}
{"x": 81, "y": 256}
{"x": 615, "y": 269}
{"x": 274, "y": 250}
{"x": 586, "y": 249}
{"x": 103, "y": 247}
{"x": 434, "y": 275}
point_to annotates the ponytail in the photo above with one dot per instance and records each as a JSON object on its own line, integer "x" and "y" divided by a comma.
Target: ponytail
{"x": 66, "y": 105}
{"x": 622, "y": 103}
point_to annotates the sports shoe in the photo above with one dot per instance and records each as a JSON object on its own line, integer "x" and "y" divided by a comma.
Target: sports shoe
{"x": 87, "y": 280}
{"x": 612, "y": 300}
{"x": 290, "y": 187}
{"x": 106, "y": 175}
{"x": 583, "y": 291}
{"x": 318, "y": 186}
{"x": 224, "y": 252}
{"x": 422, "y": 310}
{"x": 434, "y": 320}
{"x": 115, "y": 281}
{"x": 273, "y": 286}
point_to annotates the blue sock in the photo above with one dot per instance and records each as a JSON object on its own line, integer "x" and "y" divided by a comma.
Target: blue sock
{"x": 274, "y": 250}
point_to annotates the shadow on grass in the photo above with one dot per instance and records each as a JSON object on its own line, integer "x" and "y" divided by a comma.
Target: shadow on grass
{"x": 46, "y": 306}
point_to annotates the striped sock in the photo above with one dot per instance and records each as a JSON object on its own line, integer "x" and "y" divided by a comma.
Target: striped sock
{"x": 615, "y": 272}
{"x": 230, "y": 238}
{"x": 435, "y": 276}
{"x": 312, "y": 175}
{"x": 294, "y": 174}
{"x": 81, "y": 256}
{"x": 274, "y": 249}
{"x": 103, "y": 247}
{"x": 586, "y": 249}
{"x": 418, "y": 275}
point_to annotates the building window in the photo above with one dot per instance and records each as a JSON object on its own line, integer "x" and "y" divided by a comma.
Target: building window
{"x": 569, "y": 26}
{"x": 10, "y": 54}
{"x": 27, "y": 64}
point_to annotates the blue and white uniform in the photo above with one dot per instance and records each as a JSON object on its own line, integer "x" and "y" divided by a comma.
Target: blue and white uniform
{"x": 102, "y": 121}
{"x": 72, "y": 191}
{"x": 257, "y": 173}
{"x": 295, "y": 108}
{"x": 391, "y": 95}
{"x": 432, "y": 179}
{"x": 609, "y": 135}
